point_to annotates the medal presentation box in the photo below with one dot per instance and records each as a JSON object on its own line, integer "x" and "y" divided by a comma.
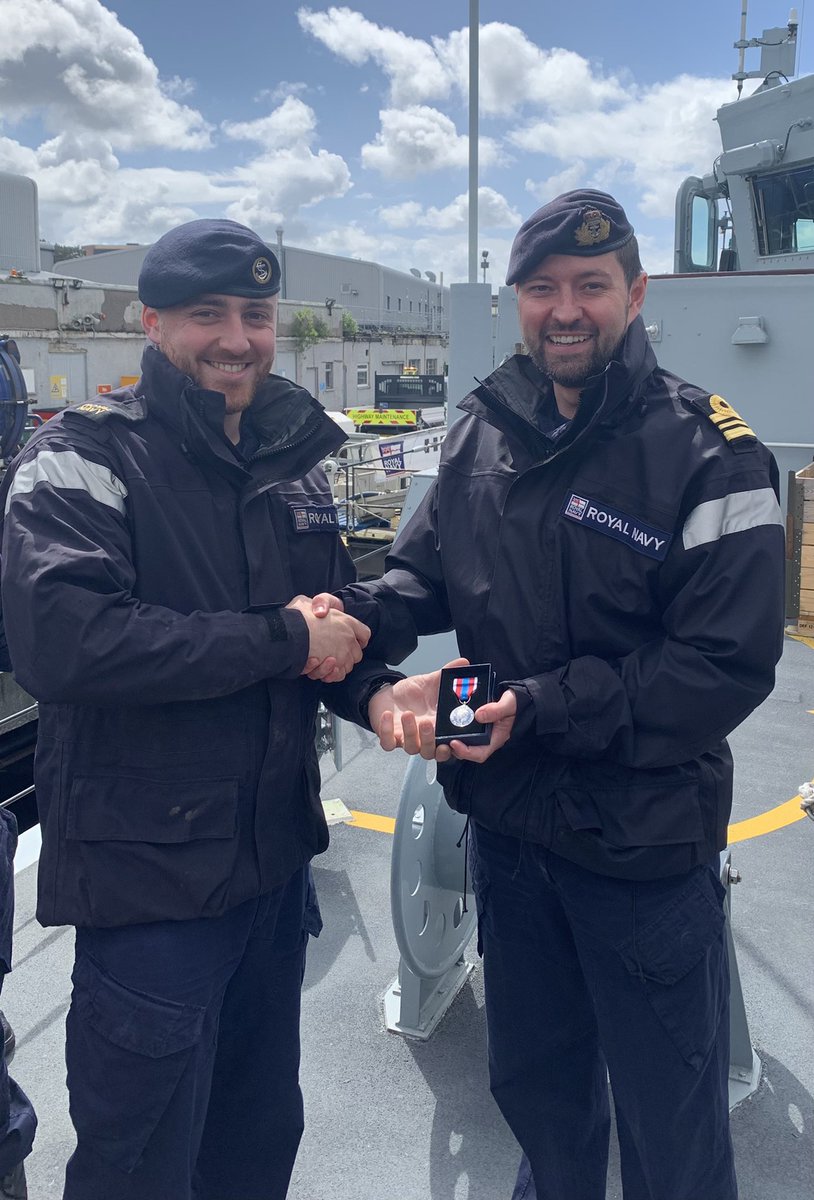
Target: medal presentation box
{"x": 461, "y": 691}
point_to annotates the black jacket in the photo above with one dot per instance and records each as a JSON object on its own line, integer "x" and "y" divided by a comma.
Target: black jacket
{"x": 145, "y": 570}
{"x": 626, "y": 579}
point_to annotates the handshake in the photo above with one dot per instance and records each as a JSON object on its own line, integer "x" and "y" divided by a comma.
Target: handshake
{"x": 402, "y": 714}
{"x": 336, "y": 640}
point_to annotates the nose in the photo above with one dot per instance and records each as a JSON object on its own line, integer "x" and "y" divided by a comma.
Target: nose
{"x": 567, "y": 309}
{"x": 232, "y": 335}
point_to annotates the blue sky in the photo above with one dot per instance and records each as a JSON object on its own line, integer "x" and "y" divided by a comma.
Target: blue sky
{"x": 346, "y": 124}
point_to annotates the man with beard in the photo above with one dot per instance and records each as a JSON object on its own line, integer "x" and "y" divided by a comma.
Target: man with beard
{"x": 155, "y": 545}
{"x": 609, "y": 538}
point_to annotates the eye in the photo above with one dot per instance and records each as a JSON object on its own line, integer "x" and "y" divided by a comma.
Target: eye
{"x": 203, "y": 314}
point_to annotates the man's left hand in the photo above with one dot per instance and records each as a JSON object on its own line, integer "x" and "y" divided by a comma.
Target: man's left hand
{"x": 403, "y": 715}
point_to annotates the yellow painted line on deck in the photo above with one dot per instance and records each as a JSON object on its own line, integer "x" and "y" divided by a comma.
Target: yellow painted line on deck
{"x": 741, "y": 831}
{"x": 776, "y": 818}
{"x": 779, "y": 817}
{"x": 362, "y": 820}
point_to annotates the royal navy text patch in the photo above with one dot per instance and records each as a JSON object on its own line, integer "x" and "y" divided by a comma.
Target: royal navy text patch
{"x": 314, "y": 518}
{"x": 646, "y": 539}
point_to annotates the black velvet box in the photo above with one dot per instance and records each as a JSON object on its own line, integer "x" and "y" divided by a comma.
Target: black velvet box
{"x": 461, "y": 691}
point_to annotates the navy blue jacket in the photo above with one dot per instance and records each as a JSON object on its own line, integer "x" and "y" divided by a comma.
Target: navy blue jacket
{"x": 145, "y": 570}
{"x": 626, "y": 579}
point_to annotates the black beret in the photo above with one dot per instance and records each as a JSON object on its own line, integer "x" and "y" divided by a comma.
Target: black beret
{"x": 222, "y": 257}
{"x": 582, "y": 223}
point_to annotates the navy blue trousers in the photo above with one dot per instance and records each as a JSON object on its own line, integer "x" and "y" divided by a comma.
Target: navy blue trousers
{"x": 183, "y": 1054}
{"x": 17, "y": 1120}
{"x": 588, "y": 976}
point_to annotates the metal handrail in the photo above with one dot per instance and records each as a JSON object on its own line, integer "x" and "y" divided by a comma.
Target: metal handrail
{"x": 20, "y": 796}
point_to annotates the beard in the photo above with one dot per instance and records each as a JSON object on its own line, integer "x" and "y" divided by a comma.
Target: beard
{"x": 238, "y": 395}
{"x": 574, "y": 369}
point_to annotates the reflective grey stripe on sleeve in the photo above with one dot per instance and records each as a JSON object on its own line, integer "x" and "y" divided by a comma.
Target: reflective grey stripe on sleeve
{"x": 731, "y": 514}
{"x": 67, "y": 469}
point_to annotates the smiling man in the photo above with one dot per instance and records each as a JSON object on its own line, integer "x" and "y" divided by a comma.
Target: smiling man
{"x": 156, "y": 543}
{"x": 608, "y": 537}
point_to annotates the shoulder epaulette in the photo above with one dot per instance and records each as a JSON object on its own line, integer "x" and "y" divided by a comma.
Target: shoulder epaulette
{"x": 729, "y": 423}
{"x": 132, "y": 409}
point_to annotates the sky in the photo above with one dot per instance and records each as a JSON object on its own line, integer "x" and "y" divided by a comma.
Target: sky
{"x": 346, "y": 125}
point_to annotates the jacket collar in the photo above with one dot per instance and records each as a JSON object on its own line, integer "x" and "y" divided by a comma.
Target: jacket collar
{"x": 288, "y": 427}
{"x": 502, "y": 399}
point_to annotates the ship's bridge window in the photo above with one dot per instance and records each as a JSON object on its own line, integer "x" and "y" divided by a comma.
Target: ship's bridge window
{"x": 784, "y": 211}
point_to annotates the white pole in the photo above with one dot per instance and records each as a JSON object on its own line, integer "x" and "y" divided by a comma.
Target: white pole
{"x": 474, "y": 30}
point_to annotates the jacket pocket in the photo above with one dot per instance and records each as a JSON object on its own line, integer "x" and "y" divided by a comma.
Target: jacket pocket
{"x": 126, "y": 1052}
{"x": 119, "y": 808}
{"x": 652, "y": 813}
{"x": 138, "y": 849}
{"x": 679, "y": 953}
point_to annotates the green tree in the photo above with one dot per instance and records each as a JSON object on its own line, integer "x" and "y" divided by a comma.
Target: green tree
{"x": 307, "y": 329}
{"x": 350, "y": 328}
{"x": 62, "y": 252}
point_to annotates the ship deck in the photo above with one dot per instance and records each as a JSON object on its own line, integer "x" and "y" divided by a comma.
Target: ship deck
{"x": 392, "y": 1118}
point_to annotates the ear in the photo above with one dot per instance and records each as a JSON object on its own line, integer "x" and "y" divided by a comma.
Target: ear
{"x": 150, "y": 319}
{"x": 637, "y": 293}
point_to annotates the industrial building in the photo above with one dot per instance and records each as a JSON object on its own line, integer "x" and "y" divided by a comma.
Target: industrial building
{"x": 77, "y": 323}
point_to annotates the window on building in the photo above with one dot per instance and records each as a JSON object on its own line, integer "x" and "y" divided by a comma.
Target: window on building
{"x": 362, "y": 375}
{"x": 387, "y": 302}
{"x": 399, "y": 303}
{"x": 432, "y": 366}
{"x": 411, "y": 306}
{"x": 414, "y": 364}
{"x": 329, "y": 376}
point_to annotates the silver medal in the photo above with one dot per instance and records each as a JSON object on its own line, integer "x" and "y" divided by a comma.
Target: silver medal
{"x": 462, "y": 716}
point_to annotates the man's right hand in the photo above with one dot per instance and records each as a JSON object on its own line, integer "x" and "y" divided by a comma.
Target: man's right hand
{"x": 336, "y": 641}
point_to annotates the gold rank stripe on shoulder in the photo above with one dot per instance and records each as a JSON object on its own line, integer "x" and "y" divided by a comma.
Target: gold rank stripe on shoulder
{"x": 730, "y": 423}
{"x": 96, "y": 409}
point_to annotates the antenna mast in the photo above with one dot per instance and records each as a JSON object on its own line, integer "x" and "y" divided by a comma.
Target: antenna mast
{"x": 741, "y": 44}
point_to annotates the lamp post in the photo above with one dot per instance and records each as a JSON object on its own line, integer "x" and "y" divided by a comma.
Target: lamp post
{"x": 484, "y": 263}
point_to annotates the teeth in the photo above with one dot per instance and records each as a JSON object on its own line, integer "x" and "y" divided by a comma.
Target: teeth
{"x": 568, "y": 339}
{"x": 230, "y": 368}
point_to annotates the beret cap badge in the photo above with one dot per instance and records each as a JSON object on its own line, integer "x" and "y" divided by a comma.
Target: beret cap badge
{"x": 261, "y": 270}
{"x": 594, "y": 228}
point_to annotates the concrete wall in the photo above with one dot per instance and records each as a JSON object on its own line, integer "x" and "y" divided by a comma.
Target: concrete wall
{"x": 74, "y": 340}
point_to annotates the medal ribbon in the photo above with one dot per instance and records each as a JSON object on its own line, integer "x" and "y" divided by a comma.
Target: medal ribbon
{"x": 464, "y": 687}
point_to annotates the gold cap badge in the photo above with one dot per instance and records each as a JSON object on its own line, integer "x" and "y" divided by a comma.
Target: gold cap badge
{"x": 594, "y": 228}
{"x": 261, "y": 270}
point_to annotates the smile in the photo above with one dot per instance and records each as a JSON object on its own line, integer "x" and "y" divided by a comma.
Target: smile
{"x": 568, "y": 339}
{"x": 229, "y": 368}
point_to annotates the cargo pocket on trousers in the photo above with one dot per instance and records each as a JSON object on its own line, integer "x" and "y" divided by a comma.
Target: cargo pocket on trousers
{"x": 126, "y": 1052}
{"x": 680, "y": 956}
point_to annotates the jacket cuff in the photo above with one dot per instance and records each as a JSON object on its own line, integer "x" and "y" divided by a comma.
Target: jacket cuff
{"x": 289, "y": 638}
{"x": 541, "y": 705}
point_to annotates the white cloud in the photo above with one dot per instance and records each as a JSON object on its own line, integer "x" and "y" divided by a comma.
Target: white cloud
{"x": 75, "y": 65}
{"x": 402, "y": 216}
{"x": 494, "y": 212}
{"x": 294, "y": 121}
{"x": 417, "y": 139}
{"x": 657, "y": 136}
{"x": 287, "y": 180}
{"x": 515, "y": 73}
{"x": 411, "y": 65}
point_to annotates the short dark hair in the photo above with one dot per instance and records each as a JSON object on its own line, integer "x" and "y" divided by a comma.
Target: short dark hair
{"x": 629, "y": 261}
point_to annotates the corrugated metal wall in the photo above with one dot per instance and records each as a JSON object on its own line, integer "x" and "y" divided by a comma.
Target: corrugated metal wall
{"x": 19, "y": 224}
